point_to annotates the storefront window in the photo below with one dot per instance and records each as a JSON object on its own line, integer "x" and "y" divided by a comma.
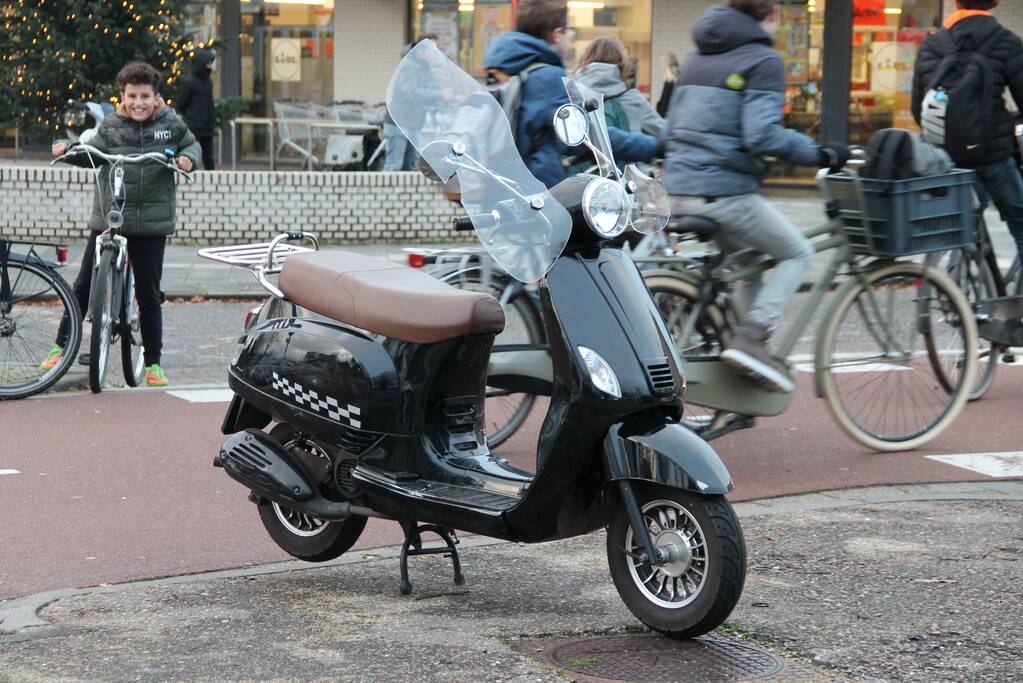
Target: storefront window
{"x": 800, "y": 40}
{"x": 886, "y": 38}
{"x": 465, "y": 29}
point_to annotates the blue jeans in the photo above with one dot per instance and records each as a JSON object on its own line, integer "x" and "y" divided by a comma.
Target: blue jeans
{"x": 399, "y": 155}
{"x": 1001, "y": 183}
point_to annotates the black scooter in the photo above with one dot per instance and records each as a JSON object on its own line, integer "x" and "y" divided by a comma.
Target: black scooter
{"x": 374, "y": 374}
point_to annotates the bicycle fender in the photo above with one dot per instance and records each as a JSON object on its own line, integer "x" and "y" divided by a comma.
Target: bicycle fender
{"x": 664, "y": 452}
{"x": 34, "y": 260}
{"x": 667, "y": 272}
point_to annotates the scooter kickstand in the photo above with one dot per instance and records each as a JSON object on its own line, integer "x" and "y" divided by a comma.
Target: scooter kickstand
{"x": 414, "y": 546}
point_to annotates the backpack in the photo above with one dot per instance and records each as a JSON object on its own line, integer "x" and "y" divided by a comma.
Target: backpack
{"x": 896, "y": 154}
{"x": 615, "y": 115}
{"x": 507, "y": 90}
{"x": 950, "y": 116}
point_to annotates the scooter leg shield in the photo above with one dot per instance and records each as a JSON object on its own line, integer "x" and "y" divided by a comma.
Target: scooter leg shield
{"x": 664, "y": 453}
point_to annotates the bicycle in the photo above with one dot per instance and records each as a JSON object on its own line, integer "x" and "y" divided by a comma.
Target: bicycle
{"x": 113, "y": 313}
{"x": 472, "y": 268}
{"x": 875, "y": 329}
{"x": 34, "y": 299}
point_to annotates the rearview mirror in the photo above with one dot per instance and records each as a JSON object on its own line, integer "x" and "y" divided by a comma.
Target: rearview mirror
{"x": 570, "y": 125}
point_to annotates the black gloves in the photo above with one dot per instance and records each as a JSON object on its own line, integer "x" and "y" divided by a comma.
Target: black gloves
{"x": 833, "y": 155}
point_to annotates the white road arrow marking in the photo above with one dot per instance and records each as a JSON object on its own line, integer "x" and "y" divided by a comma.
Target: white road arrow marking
{"x": 990, "y": 464}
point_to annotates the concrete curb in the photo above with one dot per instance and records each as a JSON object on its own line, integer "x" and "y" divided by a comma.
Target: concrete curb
{"x": 22, "y": 614}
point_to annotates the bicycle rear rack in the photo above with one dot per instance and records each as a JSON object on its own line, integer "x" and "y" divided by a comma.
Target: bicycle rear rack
{"x": 263, "y": 258}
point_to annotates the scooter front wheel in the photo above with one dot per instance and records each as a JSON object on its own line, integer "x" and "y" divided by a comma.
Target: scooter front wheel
{"x": 297, "y": 533}
{"x": 697, "y": 589}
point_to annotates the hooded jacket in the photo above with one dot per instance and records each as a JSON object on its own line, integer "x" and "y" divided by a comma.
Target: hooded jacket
{"x": 542, "y": 94}
{"x": 970, "y": 30}
{"x": 726, "y": 111}
{"x": 195, "y": 97}
{"x": 149, "y": 189}
{"x": 607, "y": 79}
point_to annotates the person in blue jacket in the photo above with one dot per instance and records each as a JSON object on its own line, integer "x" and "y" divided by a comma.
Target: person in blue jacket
{"x": 541, "y": 30}
{"x": 725, "y": 117}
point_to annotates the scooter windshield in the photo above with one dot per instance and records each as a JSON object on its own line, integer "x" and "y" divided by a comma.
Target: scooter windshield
{"x": 460, "y": 129}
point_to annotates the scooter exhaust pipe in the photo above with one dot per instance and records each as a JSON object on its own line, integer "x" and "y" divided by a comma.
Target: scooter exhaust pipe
{"x": 255, "y": 460}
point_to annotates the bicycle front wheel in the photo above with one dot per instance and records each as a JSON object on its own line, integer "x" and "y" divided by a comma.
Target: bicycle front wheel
{"x": 972, "y": 274}
{"x": 872, "y": 361}
{"x": 132, "y": 358}
{"x": 101, "y": 311}
{"x": 38, "y": 303}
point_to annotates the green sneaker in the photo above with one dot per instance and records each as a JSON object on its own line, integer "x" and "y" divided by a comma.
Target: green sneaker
{"x": 55, "y": 353}
{"x": 155, "y": 376}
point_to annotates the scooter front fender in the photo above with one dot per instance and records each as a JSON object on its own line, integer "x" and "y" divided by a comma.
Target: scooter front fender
{"x": 664, "y": 452}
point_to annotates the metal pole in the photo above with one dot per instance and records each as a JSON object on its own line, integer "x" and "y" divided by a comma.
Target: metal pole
{"x": 230, "y": 59}
{"x": 838, "y": 30}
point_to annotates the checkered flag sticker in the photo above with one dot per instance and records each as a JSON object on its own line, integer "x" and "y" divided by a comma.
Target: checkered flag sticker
{"x": 329, "y": 406}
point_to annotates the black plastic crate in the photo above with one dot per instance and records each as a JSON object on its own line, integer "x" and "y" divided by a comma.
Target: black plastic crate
{"x": 903, "y": 217}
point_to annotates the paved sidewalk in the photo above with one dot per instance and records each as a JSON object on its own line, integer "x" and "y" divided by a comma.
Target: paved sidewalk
{"x": 186, "y": 275}
{"x": 878, "y": 584}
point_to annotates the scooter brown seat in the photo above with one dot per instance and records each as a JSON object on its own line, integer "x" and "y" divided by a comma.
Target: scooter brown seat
{"x": 387, "y": 298}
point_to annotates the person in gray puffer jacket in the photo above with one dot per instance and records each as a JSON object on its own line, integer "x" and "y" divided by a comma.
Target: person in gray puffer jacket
{"x": 725, "y": 116}
{"x": 603, "y": 67}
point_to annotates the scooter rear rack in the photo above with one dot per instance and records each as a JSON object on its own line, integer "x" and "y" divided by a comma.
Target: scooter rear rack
{"x": 263, "y": 258}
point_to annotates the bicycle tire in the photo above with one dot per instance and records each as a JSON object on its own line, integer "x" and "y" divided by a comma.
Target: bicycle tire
{"x": 972, "y": 274}
{"x": 101, "y": 311}
{"x": 713, "y": 338}
{"x": 132, "y": 351}
{"x": 506, "y": 412}
{"x": 11, "y": 388}
{"x": 910, "y": 278}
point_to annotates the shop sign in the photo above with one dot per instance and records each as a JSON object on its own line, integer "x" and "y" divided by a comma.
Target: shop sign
{"x": 286, "y": 59}
{"x": 869, "y": 13}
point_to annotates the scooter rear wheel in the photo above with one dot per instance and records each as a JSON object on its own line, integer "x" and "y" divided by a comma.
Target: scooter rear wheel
{"x": 297, "y": 533}
{"x": 696, "y": 591}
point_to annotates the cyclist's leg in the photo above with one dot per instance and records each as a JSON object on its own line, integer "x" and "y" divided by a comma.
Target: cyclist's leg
{"x": 81, "y": 287}
{"x": 1003, "y": 183}
{"x": 146, "y": 254}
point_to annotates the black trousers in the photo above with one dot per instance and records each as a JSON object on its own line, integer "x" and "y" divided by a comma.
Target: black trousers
{"x": 146, "y": 257}
{"x": 206, "y": 143}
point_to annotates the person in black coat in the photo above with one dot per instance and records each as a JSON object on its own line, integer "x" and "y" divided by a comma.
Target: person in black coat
{"x": 972, "y": 27}
{"x": 195, "y": 103}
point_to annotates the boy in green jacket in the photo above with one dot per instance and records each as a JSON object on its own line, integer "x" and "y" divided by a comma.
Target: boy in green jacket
{"x": 142, "y": 123}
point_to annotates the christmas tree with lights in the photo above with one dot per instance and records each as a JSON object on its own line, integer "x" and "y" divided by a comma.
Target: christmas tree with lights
{"x": 55, "y": 50}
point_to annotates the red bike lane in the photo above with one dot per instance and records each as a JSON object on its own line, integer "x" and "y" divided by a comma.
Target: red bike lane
{"x": 120, "y": 486}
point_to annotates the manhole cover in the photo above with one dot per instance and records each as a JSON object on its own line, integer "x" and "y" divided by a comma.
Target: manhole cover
{"x": 650, "y": 658}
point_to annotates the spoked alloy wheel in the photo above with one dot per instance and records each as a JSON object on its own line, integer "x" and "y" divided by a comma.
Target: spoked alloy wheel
{"x": 696, "y": 590}
{"x": 101, "y": 309}
{"x": 132, "y": 354}
{"x": 677, "y": 301}
{"x": 297, "y": 533}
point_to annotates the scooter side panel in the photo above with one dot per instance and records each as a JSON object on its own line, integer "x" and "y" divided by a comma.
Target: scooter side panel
{"x": 665, "y": 453}
{"x": 304, "y": 366}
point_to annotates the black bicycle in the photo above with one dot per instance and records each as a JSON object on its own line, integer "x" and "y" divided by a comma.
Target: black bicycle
{"x": 113, "y": 309}
{"x": 34, "y": 299}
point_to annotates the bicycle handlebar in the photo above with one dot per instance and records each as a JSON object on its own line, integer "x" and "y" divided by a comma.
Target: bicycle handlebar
{"x": 162, "y": 158}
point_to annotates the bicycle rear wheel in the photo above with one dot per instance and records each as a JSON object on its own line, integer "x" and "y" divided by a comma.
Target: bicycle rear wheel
{"x": 132, "y": 358}
{"x": 678, "y": 302}
{"x": 972, "y": 274}
{"x": 872, "y": 361}
{"x": 31, "y": 310}
{"x": 101, "y": 312}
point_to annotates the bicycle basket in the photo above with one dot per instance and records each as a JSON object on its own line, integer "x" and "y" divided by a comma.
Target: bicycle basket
{"x": 900, "y": 217}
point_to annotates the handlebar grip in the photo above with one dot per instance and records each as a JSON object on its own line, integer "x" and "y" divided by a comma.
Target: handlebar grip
{"x": 462, "y": 224}
{"x": 296, "y": 235}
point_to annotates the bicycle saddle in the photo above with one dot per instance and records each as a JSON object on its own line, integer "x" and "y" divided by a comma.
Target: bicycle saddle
{"x": 701, "y": 226}
{"x": 387, "y": 298}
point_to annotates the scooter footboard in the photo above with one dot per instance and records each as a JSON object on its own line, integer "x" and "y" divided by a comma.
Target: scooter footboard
{"x": 666, "y": 453}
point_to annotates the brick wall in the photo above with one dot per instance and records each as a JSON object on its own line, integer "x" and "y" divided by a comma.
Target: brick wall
{"x": 227, "y": 206}
{"x": 368, "y": 38}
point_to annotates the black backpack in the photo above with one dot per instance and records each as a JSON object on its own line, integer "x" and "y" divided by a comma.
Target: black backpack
{"x": 898, "y": 154}
{"x": 957, "y": 110}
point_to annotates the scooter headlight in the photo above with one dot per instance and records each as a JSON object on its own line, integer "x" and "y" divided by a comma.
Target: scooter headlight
{"x": 601, "y": 374}
{"x": 606, "y": 206}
